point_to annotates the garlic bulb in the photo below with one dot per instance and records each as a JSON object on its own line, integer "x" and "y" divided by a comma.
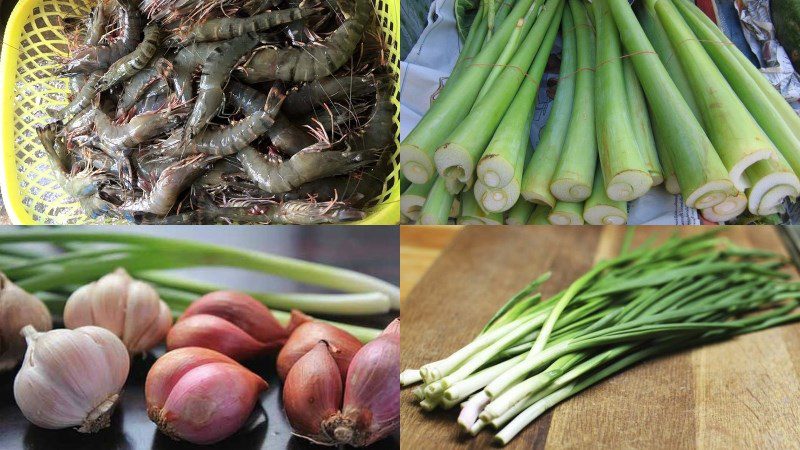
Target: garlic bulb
{"x": 71, "y": 378}
{"x": 17, "y": 309}
{"x": 129, "y": 308}
{"x": 200, "y": 395}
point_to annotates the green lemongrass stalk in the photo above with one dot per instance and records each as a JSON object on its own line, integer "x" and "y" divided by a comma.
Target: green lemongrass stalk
{"x": 536, "y": 179}
{"x": 772, "y": 181}
{"x": 163, "y": 253}
{"x": 573, "y": 177}
{"x": 703, "y": 178}
{"x": 520, "y": 213}
{"x": 749, "y": 92}
{"x": 491, "y": 17}
{"x": 626, "y": 175}
{"x": 436, "y": 209}
{"x": 523, "y": 27}
{"x": 739, "y": 140}
{"x": 413, "y": 198}
{"x": 662, "y": 147}
{"x": 505, "y": 156}
{"x": 637, "y": 105}
{"x": 666, "y": 52}
{"x": 601, "y": 210}
{"x": 540, "y": 215}
{"x": 496, "y": 200}
{"x": 566, "y": 213}
{"x": 473, "y": 43}
{"x": 457, "y": 157}
{"x": 454, "y": 102}
{"x": 472, "y": 214}
{"x": 785, "y": 111}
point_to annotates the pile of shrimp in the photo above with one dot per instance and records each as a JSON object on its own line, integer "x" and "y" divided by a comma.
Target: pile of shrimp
{"x": 225, "y": 111}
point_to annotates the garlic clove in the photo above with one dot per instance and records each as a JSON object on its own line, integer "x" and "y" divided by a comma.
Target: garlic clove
{"x": 146, "y": 321}
{"x": 245, "y": 312}
{"x": 371, "y": 407}
{"x": 17, "y": 309}
{"x": 168, "y": 369}
{"x": 200, "y": 395}
{"x": 312, "y": 394}
{"x": 129, "y": 308}
{"x": 210, "y": 403}
{"x": 71, "y": 378}
{"x": 343, "y": 346}
{"x": 217, "y": 334}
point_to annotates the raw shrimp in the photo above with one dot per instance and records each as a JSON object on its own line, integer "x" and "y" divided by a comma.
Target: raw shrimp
{"x": 275, "y": 176}
{"x": 287, "y": 213}
{"x": 101, "y": 57}
{"x": 285, "y": 135}
{"x": 225, "y": 28}
{"x": 216, "y": 70}
{"x": 115, "y": 140}
{"x": 229, "y": 140}
{"x": 140, "y": 83}
{"x": 155, "y": 98}
{"x": 312, "y": 61}
{"x": 166, "y": 189}
{"x": 306, "y": 100}
{"x": 130, "y": 64}
{"x": 185, "y": 62}
{"x": 82, "y": 99}
{"x": 96, "y": 26}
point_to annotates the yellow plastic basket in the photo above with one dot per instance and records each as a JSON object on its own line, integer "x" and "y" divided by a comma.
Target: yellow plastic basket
{"x": 32, "y": 44}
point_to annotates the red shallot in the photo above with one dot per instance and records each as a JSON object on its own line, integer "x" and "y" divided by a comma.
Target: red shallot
{"x": 342, "y": 345}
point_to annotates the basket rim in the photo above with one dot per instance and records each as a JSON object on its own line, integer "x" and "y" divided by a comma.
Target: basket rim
{"x": 386, "y": 213}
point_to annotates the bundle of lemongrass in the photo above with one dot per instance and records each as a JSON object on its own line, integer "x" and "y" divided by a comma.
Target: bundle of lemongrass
{"x": 88, "y": 255}
{"x": 648, "y": 94}
{"x": 653, "y": 300}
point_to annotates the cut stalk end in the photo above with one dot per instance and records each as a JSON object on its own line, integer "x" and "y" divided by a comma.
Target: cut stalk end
{"x": 605, "y": 215}
{"x": 416, "y": 165}
{"x": 711, "y": 194}
{"x": 629, "y": 185}
{"x": 570, "y": 191}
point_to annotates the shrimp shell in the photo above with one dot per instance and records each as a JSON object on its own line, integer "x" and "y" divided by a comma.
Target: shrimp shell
{"x": 101, "y": 57}
{"x": 116, "y": 139}
{"x": 312, "y": 61}
{"x": 225, "y": 28}
{"x": 133, "y": 62}
{"x": 276, "y": 176}
{"x": 305, "y": 100}
{"x": 82, "y": 99}
{"x": 285, "y": 135}
{"x": 216, "y": 70}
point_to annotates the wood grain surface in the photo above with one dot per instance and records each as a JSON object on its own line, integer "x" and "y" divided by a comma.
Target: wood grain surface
{"x": 743, "y": 393}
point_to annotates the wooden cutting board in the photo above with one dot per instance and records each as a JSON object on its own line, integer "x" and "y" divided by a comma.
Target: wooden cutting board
{"x": 743, "y": 393}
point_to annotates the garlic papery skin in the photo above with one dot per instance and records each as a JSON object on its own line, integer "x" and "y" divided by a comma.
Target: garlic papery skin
{"x": 199, "y": 395}
{"x": 129, "y": 308}
{"x": 17, "y": 309}
{"x": 71, "y": 378}
{"x": 343, "y": 346}
{"x": 231, "y": 323}
{"x": 312, "y": 394}
{"x": 371, "y": 407}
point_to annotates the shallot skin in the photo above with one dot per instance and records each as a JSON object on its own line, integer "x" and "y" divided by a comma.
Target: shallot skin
{"x": 199, "y": 395}
{"x": 232, "y": 323}
{"x": 371, "y": 407}
{"x": 343, "y": 346}
{"x": 312, "y": 394}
